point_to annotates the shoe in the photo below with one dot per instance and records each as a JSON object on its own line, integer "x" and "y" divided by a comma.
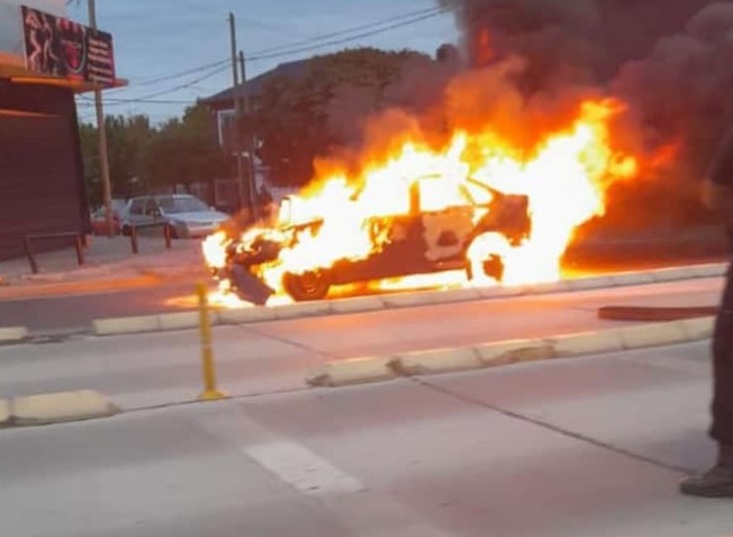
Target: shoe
{"x": 716, "y": 482}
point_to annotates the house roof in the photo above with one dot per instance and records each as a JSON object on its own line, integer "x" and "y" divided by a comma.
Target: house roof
{"x": 254, "y": 86}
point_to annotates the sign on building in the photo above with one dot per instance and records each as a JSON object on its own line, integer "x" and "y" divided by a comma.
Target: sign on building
{"x": 56, "y": 46}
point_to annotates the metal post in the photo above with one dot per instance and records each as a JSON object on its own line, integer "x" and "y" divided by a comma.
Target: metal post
{"x": 210, "y": 392}
{"x": 249, "y": 143}
{"x": 236, "y": 137}
{"x": 133, "y": 238}
{"x": 79, "y": 249}
{"x": 101, "y": 128}
{"x": 29, "y": 254}
{"x": 167, "y": 235}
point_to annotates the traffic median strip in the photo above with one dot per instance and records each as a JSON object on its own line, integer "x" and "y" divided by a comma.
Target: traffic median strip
{"x": 13, "y": 334}
{"x": 51, "y": 408}
{"x": 254, "y": 314}
{"x": 502, "y": 353}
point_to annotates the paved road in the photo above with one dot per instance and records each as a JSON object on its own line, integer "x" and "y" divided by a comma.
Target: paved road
{"x": 68, "y": 314}
{"x": 568, "y": 448}
{"x": 154, "y": 369}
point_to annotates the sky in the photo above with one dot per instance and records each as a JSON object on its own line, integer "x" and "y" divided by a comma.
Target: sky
{"x": 159, "y": 39}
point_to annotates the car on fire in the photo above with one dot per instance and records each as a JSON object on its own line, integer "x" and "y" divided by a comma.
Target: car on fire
{"x": 422, "y": 240}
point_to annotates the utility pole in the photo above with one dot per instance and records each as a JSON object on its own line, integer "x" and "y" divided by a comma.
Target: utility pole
{"x": 103, "y": 156}
{"x": 244, "y": 194}
{"x": 250, "y": 141}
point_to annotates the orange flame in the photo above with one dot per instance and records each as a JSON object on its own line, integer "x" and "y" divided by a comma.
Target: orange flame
{"x": 564, "y": 177}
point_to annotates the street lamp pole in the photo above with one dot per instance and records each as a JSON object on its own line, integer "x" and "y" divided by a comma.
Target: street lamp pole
{"x": 103, "y": 156}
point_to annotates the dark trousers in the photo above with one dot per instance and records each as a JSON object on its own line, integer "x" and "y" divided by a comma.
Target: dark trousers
{"x": 722, "y": 407}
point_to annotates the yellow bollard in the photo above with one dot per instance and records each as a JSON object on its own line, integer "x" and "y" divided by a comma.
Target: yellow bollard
{"x": 210, "y": 392}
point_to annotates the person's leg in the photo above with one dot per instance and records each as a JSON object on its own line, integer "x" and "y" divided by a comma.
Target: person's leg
{"x": 718, "y": 481}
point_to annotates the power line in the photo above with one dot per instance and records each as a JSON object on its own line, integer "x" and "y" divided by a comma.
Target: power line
{"x": 381, "y": 22}
{"x": 346, "y": 39}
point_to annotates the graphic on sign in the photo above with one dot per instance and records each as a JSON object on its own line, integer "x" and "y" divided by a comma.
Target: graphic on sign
{"x": 56, "y": 46}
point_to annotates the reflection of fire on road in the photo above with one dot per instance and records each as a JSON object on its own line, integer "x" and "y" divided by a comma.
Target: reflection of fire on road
{"x": 420, "y": 210}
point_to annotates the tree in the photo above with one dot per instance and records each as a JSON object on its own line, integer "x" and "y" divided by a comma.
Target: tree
{"x": 186, "y": 151}
{"x": 127, "y": 141}
{"x": 298, "y": 120}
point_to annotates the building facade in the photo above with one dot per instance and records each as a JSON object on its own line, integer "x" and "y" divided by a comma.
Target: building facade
{"x": 42, "y": 189}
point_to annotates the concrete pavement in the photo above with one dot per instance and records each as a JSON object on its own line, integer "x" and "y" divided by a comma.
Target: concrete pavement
{"x": 566, "y": 448}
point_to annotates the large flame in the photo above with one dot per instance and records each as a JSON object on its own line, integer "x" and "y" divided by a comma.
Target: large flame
{"x": 565, "y": 177}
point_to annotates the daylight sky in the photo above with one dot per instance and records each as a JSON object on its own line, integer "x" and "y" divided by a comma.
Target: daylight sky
{"x": 156, "y": 39}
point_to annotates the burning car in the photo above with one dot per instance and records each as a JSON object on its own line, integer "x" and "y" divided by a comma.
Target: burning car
{"x": 425, "y": 238}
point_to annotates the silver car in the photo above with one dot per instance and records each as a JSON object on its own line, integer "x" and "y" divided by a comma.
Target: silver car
{"x": 186, "y": 215}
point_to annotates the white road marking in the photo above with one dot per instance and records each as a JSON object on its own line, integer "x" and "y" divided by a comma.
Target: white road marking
{"x": 299, "y": 467}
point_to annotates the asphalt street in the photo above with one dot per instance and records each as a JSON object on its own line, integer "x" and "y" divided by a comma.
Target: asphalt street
{"x": 567, "y": 448}
{"x": 163, "y": 368}
{"x": 74, "y": 313}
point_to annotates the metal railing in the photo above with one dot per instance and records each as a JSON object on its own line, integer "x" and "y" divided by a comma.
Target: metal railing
{"x": 79, "y": 244}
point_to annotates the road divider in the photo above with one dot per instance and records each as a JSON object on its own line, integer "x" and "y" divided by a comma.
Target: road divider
{"x": 502, "y": 353}
{"x": 254, "y": 314}
{"x": 13, "y": 334}
{"x": 59, "y": 407}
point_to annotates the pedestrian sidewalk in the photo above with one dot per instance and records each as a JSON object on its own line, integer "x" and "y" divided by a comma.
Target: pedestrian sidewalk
{"x": 109, "y": 265}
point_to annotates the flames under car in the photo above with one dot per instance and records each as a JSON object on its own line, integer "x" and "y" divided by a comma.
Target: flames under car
{"x": 419, "y": 242}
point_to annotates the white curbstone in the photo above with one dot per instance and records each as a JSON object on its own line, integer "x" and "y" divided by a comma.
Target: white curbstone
{"x": 512, "y": 352}
{"x": 61, "y": 407}
{"x": 548, "y": 288}
{"x": 5, "y": 415}
{"x": 126, "y": 325}
{"x": 588, "y": 343}
{"x": 13, "y": 334}
{"x": 353, "y": 371}
{"x": 437, "y": 361}
{"x": 456, "y": 295}
{"x": 406, "y": 300}
{"x": 302, "y": 309}
{"x": 698, "y": 329}
{"x": 499, "y": 291}
{"x": 357, "y": 305}
{"x": 652, "y": 335}
{"x": 632, "y": 278}
{"x": 245, "y": 315}
{"x": 181, "y": 321}
{"x": 711, "y": 270}
{"x": 674, "y": 274}
{"x": 586, "y": 284}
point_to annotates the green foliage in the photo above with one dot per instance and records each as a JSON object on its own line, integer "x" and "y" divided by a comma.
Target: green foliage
{"x": 142, "y": 157}
{"x": 298, "y": 119}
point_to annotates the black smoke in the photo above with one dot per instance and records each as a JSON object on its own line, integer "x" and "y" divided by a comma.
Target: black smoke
{"x": 671, "y": 61}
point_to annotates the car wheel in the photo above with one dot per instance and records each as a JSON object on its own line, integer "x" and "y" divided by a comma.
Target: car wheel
{"x": 493, "y": 267}
{"x": 311, "y": 285}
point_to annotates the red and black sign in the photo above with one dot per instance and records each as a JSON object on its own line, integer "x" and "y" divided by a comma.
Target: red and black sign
{"x": 56, "y": 46}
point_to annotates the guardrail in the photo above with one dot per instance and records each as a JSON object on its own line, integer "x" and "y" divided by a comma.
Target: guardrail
{"x": 79, "y": 244}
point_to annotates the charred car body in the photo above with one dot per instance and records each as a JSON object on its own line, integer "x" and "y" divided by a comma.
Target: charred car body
{"x": 418, "y": 242}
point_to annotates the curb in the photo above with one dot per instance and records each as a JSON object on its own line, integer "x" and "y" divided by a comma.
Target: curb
{"x": 186, "y": 320}
{"x": 58, "y": 407}
{"x": 13, "y": 334}
{"x": 501, "y": 353}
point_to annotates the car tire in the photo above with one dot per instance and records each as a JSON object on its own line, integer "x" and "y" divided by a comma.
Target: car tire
{"x": 493, "y": 267}
{"x": 311, "y": 285}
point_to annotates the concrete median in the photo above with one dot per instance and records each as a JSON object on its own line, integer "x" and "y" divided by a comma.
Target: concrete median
{"x": 4, "y": 413}
{"x": 132, "y": 325}
{"x": 503, "y": 353}
{"x": 60, "y": 407}
{"x": 13, "y": 334}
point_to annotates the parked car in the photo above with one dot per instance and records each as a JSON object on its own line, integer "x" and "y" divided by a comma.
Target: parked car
{"x": 99, "y": 218}
{"x": 419, "y": 242}
{"x": 186, "y": 216}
